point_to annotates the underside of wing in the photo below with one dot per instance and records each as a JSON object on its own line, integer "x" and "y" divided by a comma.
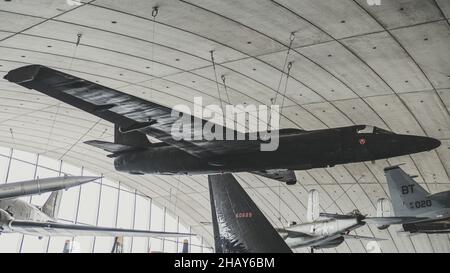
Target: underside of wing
{"x": 287, "y": 176}
{"x": 292, "y": 233}
{"x": 394, "y": 220}
{"x": 60, "y": 229}
{"x": 358, "y": 237}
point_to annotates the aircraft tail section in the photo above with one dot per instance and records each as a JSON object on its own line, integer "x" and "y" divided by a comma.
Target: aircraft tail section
{"x": 131, "y": 138}
{"x": 312, "y": 212}
{"x": 185, "y": 248}
{"x": 123, "y": 142}
{"x": 51, "y": 206}
{"x": 407, "y": 196}
{"x": 383, "y": 208}
{"x": 238, "y": 225}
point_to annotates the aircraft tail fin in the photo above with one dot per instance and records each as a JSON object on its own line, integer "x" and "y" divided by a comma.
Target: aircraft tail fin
{"x": 131, "y": 138}
{"x": 123, "y": 142}
{"x": 51, "y": 206}
{"x": 407, "y": 196}
{"x": 313, "y": 212}
{"x": 185, "y": 246}
{"x": 383, "y": 208}
{"x": 238, "y": 225}
{"x": 383, "y": 211}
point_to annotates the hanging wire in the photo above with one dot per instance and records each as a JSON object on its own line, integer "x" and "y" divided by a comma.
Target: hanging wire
{"x": 176, "y": 196}
{"x": 217, "y": 81}
{"x": 291, "y": 41}
{"x": 285, "y": 86}
{"x": 79, "y": 35}
{"x": 155, "y": 11}
{"x": 12, "y": 136}
{"x": 79, "y": 139}
{"x": 58, "y": 106}
{"x": 77, "y": 43}
{"x": 279, "y": 203}
{"x": 226, "y": 90}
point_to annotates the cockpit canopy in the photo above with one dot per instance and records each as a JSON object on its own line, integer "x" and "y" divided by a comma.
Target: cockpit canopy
{"x": 372, "y": 130}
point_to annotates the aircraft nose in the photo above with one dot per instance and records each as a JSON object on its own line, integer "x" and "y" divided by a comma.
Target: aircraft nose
{"x": 434, "y": 143}
{"x": 423, "y": 143}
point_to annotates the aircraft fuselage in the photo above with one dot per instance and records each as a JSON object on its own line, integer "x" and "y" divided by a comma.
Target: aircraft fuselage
{"x": 322, "y": 233}
{"x": 297, "y": 151}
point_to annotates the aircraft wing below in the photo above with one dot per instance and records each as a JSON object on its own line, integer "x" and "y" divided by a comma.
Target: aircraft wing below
{"x": 292, "y": 233}
{"x": 387, "y": 221}
{"x": 61, "y": 229}
{"x": 129, "y": 112}
{"x": 358, "y": 237}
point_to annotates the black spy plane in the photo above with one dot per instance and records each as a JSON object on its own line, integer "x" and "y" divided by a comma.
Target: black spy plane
{"x": 134, "y": 118}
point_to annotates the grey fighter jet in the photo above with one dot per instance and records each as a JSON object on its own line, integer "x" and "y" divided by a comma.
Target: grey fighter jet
{"x": 414, "y": 208}
{"x": 323, "y": 230}
{"x": 19, "y": 216}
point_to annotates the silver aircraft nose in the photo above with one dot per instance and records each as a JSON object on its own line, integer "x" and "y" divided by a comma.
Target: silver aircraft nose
{"x": 73, "y": 181}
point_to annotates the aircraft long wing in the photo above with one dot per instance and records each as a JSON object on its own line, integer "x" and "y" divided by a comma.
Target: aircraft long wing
{"x": 129, "y": 112}
{"x": 394, "y": 220}
{"x": 61, "y": 229}
{"x": 358, "y": 237}
{"x": 292, "y": 233}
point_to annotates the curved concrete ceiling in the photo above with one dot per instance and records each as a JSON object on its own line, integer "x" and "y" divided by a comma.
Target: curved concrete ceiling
{"x": 353, "y": 63}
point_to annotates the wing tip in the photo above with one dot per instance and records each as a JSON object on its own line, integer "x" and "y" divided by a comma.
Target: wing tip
{"x": 23, "y": 74}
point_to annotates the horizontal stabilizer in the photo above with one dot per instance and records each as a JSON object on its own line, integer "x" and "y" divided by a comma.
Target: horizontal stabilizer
{"x": 287, "y": 176}
{"x": 357, "y": 237}
{"x": 109, "y": 146}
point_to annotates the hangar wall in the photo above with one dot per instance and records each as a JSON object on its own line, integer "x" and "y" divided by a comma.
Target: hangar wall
{"x": 100, "y": 203}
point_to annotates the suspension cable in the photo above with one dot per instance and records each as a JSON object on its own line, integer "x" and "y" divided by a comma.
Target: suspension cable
{"x": 58, "y": 106}
{"x": 291, "y": 41}
{"x": 285, "y": 86}
{"x": 155, "y": 11}
{"x": 215, "y": 75}
{"x": 226, "y": 90}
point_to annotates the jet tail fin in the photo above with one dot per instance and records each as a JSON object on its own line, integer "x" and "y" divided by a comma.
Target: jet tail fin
{"x": 407, "y": 196}
{"x": 185, "y": 246}
{"x": 238, "y": 225}
{"x": 51, "y": 206}
{"x": 312, "y": 212}
{"x": 383, "y": 211}
{"x": 383, "y": 208}
{"x": 131, "y": 138}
